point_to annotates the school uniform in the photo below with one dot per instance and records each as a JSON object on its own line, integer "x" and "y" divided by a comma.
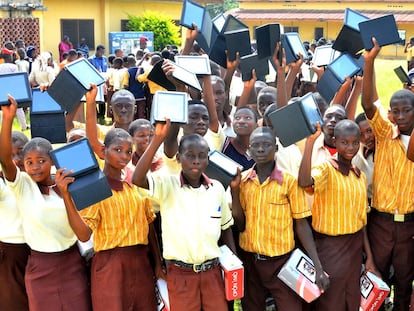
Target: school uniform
{"x": 55, "y": 272}
{"x": 268, "y": 238}
{"x": 339, "y": 214}
{"x": 13, "y": 253}
{"x": 121, "y": 275}
{"x": 391, "y": 223}
{"x": 192, "y": 221}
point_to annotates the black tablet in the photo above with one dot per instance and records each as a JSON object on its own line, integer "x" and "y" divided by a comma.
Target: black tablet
{"x": 17, "y": 85}
{"x": 402, "y": 75}
{"x": 85, "y": 73}
{"x": 344, "y": 66}
{"x": 192, "y": 13}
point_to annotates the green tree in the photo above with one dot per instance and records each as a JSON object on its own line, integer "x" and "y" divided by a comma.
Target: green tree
{"x": 164, "y": 29}
{"x": 216, "y": 9}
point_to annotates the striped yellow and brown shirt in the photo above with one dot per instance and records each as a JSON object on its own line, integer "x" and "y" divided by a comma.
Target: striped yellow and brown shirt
{"x": 270, "y": 208}
{"x": 340, "y": 202}
{"x": 392, "y": 184}
{"x": 120, "y": 220}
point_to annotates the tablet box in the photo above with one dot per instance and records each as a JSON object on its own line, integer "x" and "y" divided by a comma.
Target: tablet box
{"x": 222, "y": 168}
{"x": 200, "y": 65}
{"x": 17, "y": 85}
{"x": 297, "y": 120}
{"x": 90, "y": 185}
{"x": 47, "y": 118}
{"x": 373, "y": 292}
{"x": 253, "y": 61}
{"x": 266, "y": 38}
{"x": 72, "y": 82}
{"x": 233, "y": 273}
{"x": 299, "y": 274}
{"x": 384, "y": 29}
{"x": 238, "y": 41}
{"x": 293, "y": 45}
{"x": 172, "y": 105}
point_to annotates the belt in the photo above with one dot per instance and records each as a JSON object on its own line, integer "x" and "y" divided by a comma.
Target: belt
{"x": 202, "y": 267}
{"x": 394, "y": 217}
{"x": 260, "y": 257}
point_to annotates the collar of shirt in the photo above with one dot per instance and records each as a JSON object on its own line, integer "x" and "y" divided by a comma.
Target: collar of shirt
{"x": 117, "y": 184}
{"x": 335, "y": 164}
{"x": 276, "y": 175}
{"x": 45, "y": 189}
{"x": 367, "y": 152}
{"x": 205, "y": 181}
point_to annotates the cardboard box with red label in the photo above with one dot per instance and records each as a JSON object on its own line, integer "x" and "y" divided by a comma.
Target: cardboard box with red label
{"x": 233, "y": 273}
{"x": 299, "y": 274}
{"x": 373, "y": 292}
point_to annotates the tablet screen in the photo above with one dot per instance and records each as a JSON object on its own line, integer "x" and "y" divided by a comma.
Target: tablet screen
{"x": 311, "y": 110}
{"x": 172, "y": 105}
{"x": 296, "y": 44}
{"x": 186, "y": 77}
{"x": 353, "y": 18}
{"x": 69, "y": 157}
{"x": 192, "y": 13}
{"x": 85, "y": 73}
{"x": 343, "y": 67}
{"x": 224, "y": 162}
{"x": 15, "y": 84}
{"x": 42, "y": 102}
{"x": 323, "y": 55}
{"x": 200, "y": 65}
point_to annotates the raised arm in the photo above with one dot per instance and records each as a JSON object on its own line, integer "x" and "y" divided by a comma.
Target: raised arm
{"x": 230, "y": 70}
{"x": 248, "y": 89}
{"x": 6, "y": 158}
{"x": 368, "y": 87}
{"x": 139, "y": 178}
{"x": 352, "y": 103}
{"x": 78, "y": 225}
{"x": 282, "y": 97}
{"x": 208, "y": 98}
{"x": 304, "y": 177}
{"x": 294, "y": 69}
{"x": 190, "y": 36}
{"x": 91, "y": 122}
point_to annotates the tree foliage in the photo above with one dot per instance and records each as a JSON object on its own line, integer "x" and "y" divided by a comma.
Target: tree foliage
{"x": 216, "y": 9}
{"x": 164, "y": 29}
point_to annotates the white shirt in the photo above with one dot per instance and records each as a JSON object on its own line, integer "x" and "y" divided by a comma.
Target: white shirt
{"x": 11, "y": 230}
{"x": 45, "y": 222}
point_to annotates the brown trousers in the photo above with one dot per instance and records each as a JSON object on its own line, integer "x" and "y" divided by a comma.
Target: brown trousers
{"x": 261, "y": 278}
{"x": 392, "y": 244}
{"x": 341, "y": 258}
{"x": 191, "y": 291}
{"x": 13, "y": 260}
{"x": 57, "y": 281}
{"x": 122, "y": 279}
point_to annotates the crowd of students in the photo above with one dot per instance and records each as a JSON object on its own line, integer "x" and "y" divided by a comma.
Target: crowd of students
{"x": 166, "y": 218}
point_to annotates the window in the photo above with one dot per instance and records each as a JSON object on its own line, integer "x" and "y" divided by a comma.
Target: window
{"x": 291, "y": 29}
{"x": 318, "y": 33}
{"x": 77, "y": 29}
{"x": 124, "y": 23}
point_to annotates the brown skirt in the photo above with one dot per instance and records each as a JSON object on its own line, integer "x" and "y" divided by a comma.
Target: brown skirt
{"x": 13, "y": 260}
{"x": 122, "y": 279}
{"x": 57, "y": 281}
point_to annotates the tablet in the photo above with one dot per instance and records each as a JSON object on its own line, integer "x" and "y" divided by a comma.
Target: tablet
{"x": 384, "y": 29}
{"x": 323, "y": 55}
{"x": 296, "y": 44}
{"x": 192, "y": 13}
{"x": 353, "y": 18}
{"x": 344, "y": 66}
{"x": 17, "y": 85}
{"x": 311, "y": 111}
{"x": 402, "y": 75}
{"x": 224, "y": 162}
{"x": 219, "y": 21}
{"x": 200, "y": 65}
{"x": 42, "y": 102}
{"x": 85, "y": 73}
{"x": 186, "y": 77}
{"x": 172, "y": 105}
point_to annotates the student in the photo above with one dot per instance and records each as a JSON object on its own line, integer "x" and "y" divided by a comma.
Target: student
{"x": 245, "y": 121}
{"x": 267, "y": 204}
{"x": 392, "y": 212}
{"x": 13, "y": 248}
{"x": 339, "y": 216}
{"x": 55, "y": 272}
{"x": 142, "y": 132}
{"x": 195, "y": 215}
{"x": 136, "y": 88}
{"x": 121, "y": 275}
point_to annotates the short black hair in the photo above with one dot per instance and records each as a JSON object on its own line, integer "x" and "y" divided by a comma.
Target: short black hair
{"x": 197, "y": 138}
{"x": 246, "y": 108}
{"x": 100, "y": 47}
{"x": 360, "y": 118}
{"x": 38, "y": 143}
{"x": 136, "y": 124}
{"x": 263, "y": 130}
{"x": 18, "y": 136}
{"x": 403, "y": 95}
{"x": 346, "y": 126}
{"x": 115, "y": 135}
